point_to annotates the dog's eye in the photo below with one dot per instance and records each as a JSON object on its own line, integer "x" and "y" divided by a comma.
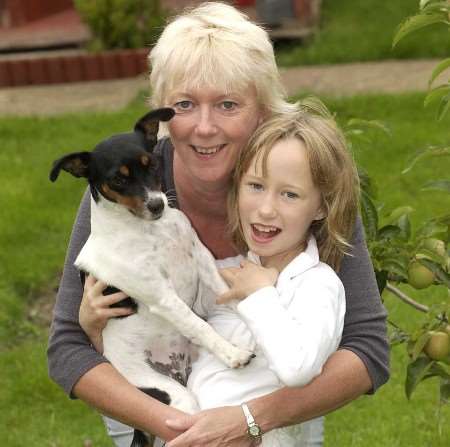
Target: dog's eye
{"x": 118, "y": 181}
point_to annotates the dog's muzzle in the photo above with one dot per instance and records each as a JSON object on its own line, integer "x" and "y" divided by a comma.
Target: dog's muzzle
{"x": 156, "y": 207}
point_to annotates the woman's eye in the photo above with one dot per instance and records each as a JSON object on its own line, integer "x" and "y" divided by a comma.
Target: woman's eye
{"x": 183, "y": 105}
{"x": 228, "y": 105}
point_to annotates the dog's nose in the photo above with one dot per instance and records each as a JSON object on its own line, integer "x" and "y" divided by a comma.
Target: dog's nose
{"x": 155, "y": 206}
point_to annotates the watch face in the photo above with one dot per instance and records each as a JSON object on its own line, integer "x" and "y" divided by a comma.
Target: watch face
{"x": 254, "y": 431}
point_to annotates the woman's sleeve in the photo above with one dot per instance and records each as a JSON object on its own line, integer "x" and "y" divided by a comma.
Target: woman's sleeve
{"x": 297, "y": 339}
{"x": 365, "y": 331}
{"x": 70, "y": 353}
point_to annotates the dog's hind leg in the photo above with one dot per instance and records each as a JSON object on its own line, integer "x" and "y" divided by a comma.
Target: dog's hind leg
{"x": 140, "y": 439}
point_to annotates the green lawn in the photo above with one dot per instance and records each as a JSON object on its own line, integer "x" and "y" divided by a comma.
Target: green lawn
{"x": 35, "y": 229}
{"x": 363, "y": 31}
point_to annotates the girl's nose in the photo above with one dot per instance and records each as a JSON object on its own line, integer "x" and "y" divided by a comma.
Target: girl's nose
{"x": 206, "y": 125}
{"x": 267, "y": 207}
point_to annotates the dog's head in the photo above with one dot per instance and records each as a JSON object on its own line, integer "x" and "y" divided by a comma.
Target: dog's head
{"x": 123, "y": 168}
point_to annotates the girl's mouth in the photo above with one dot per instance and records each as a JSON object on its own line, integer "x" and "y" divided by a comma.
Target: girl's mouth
{"x": 264, "y": 233}
{"x": 207, "y": 151}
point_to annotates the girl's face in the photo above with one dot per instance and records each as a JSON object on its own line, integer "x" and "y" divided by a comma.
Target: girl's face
{"x": 210, "y": 129}
{"x": 277, "y": 210}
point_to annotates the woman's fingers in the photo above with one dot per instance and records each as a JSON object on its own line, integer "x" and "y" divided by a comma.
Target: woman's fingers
{"x": 120, "y": 311}
{"x": 98, "y": 288}
{"x": 113, "y": 298}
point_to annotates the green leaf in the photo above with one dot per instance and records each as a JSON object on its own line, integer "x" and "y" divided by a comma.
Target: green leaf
{"x": 369, "y": 215}
{"x": 398, "y": 212}
{"x": 424, "y": 253}
{"x": 381, "y": 277}
{"x": 416, "y": 22}
{"x": 442, "y": 66}
{"x": 444, "y": 106}
{"x": 431, "y": 228}
{"x": 415, "y": 373}
{"x": 431, "y": 151}
{"x": 436, "y": 6}
{"x": 395, "y": 266}
{"x": 389, "y": 232}
{"x": 436, "y": 94}
{"x": 444, "y": 395}
{"x": 438, "y": 185}
{"x": 419, "y": 345}
{"x": 405, "y": 225}
{"x": 368, "y": 124}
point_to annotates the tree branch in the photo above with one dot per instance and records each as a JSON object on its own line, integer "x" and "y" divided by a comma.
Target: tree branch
{"x": 406, "y": 299}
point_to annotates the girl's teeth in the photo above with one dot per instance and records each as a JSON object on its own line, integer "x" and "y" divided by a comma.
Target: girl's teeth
{"x": 266, "y": 229}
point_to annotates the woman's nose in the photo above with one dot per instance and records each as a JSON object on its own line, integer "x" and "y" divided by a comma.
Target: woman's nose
{"x": 206, "y": 125}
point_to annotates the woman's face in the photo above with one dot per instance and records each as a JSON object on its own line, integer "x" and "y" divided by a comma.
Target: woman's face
{"x": 210, "y": 129}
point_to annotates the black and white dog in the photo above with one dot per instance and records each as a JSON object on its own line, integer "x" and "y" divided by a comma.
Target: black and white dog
{"x": 149, "y": 250}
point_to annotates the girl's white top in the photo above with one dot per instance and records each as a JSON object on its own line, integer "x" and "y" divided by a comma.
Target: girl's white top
{"x": 292, "y": 327}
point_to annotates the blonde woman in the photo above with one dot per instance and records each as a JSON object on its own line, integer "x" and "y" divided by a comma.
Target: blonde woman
{"x": 217, "y": 70}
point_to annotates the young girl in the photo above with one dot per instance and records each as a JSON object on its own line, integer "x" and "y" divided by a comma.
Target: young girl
{"x": 292, "y": 206}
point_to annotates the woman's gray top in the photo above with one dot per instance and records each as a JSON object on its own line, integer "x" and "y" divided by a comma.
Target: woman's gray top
{"x": 71, "y": 355}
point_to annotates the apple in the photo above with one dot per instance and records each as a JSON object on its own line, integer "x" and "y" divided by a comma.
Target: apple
{"x": 437, "y": 346}
{"x": 419, "y": 276}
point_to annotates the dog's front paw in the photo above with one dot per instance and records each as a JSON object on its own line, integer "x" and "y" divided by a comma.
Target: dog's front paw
{"x": 185, "y": 402}
{"x": 237, "y": 357}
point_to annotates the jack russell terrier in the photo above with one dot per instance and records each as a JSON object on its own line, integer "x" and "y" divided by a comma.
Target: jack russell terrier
{"x": 143, "y": 247}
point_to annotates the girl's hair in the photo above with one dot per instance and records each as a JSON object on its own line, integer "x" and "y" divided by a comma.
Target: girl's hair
{"x": 216, "y": 45}
{"x": 332, "y": 168}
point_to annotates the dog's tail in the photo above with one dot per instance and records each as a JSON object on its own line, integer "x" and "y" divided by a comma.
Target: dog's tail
{"x": 141, "y": 439}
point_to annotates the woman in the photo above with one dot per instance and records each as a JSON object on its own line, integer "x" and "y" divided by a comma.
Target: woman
{"x": 218, "y": 71}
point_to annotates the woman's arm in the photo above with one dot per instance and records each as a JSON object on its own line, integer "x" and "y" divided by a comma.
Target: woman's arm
{"x": 78, "y": 368}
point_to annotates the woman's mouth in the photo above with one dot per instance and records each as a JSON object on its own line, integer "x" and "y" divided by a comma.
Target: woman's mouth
{"x": 207, "y": 151}
{"x": 264, "y": 233}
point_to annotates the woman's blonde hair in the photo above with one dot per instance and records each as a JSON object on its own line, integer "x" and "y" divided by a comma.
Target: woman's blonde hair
{"x": 216, "y": 45}
{"x": 332, "y": 168}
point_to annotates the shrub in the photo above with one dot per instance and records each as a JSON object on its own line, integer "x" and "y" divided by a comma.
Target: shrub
{"x": 122, "y": 23}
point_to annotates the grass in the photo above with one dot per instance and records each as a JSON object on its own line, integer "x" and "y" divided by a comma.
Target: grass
{"x": 363, "y": 31}
{"x": 34, "y": 234}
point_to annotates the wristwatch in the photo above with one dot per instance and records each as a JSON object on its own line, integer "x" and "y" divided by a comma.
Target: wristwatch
{"x": 253, "y": 429}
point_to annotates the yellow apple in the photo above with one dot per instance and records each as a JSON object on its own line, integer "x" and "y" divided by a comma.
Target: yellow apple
{"x": 438, "y": 345}
{"x": 419, "y": 276}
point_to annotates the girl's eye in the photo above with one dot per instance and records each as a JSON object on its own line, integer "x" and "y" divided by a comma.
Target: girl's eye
{"x": 291, "y": 195}
{"x": 182, "y": 106}
{"x": 255, "y": 186}
{"x": 228, "y": 105}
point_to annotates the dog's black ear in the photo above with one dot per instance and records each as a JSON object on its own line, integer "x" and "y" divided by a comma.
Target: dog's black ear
{"x": 149, "y": 124}
{"x": 76, "y": 164}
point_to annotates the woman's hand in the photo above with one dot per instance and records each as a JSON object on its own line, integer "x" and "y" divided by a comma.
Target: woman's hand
{"x": 246, "y": 280}
{"x": 218, "y": 427}
{"x": 95, "y": 311}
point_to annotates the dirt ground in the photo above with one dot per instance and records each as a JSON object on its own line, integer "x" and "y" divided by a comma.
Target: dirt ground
{"x": 336, "y": 80}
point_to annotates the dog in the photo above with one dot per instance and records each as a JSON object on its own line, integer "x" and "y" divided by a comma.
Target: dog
{"x": 149, "y": 250}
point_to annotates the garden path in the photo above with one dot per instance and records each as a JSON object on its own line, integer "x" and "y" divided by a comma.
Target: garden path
{"x": 337, "y": 80}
